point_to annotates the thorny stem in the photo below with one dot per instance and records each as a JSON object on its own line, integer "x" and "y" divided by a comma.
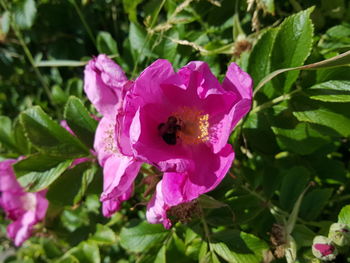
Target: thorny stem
{"x": 83, "y": 20}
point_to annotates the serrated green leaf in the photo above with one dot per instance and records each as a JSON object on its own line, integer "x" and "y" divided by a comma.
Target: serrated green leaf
{"x": 236, "y": 247}
{"x": 142, "y": 237}
{"x": 36, "y": 180}
{"x": 292, "y": 47}
{"x": 49, "y": 137}
{"x": 106, "y": 44}
{"x": 302, "y": 139}
{"x": 325, "y": 117}
{"x": 80, "y": 121}
{"x": 87, "y": 251}
{"x": 344, "y": 215}
{"x": 260, "y": 58}
{"x": 36, "y": 162}
{"x": 103, "y": 235}
{"x": 330, "y": 91}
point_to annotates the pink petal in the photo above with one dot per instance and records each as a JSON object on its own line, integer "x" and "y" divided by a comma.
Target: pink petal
{"x": 110, "y": 206}
{"x": 119, "y": 173}
{"x": 157, "y": 209}
{"x": 209, "y": 171}
{"x": 105, "y": 84}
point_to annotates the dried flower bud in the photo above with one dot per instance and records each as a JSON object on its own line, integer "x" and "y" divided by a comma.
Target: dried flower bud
{"x": 340, "y": 234}
{"x": 324, "y": 249}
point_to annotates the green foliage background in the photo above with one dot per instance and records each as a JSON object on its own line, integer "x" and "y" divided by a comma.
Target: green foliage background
{"x": 290, "y": 178}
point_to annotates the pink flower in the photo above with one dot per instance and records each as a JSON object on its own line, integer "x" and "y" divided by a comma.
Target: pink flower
{"x": 105, "y": 85}
{"x": 179, "y": 122}
{"x": 24, "y": 209}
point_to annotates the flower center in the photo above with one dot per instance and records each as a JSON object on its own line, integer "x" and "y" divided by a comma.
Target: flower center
{"x": 29, "y": 201}
{"x": 188, "y": 125}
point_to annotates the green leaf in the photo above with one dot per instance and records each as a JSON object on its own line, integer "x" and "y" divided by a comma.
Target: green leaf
{"x": 314, "y": 202}
{"x": 49, "y": 137}
{"x": 292, "y": 47}
{"x": 106, "y": 44}
{"x": 36, "y": 162}
{"x": 24, "y": 13}
{"x": 142, "y": 237}
{"x": 130, "y": 8}
{"x": 69, "y": 183}
{"x": 331, "y": 91}
{"x": 293, "y": 184}
{"x": 269, "y": 6}
{"x": 103, "y": 235}
{"x": 87, "y": 252}
{"x": 161, "y": 255}
{"x": 38, "y": 180}
{"x": 5, "y": 23}
{"x": 86, "y": 183}
{"x": 80, "y": 121}
{"x": 344, "y": 215}
{"x": 260, "y": 58}
{"x": 207, "y": 201}
{"x": 336, "y": 61}
{"x": 6, "y": 136}
{"x": 236, "y": 247}
{"x": 20, "y": 139}
{"x": 302, "y": 139}
{"x": 326, "y": 117}
{"x": 139, "y": 41}
{"x": 303, "y": 235}
{"x": 58, "y": 95}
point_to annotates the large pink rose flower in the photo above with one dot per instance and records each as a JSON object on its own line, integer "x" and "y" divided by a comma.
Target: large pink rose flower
{"x": 24, "y": 209}
{"x": 179, "y": 122}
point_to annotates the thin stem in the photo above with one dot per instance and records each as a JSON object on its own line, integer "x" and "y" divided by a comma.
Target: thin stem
{"x": 206, "y": 229}
{"x": 274, "y": 101}
{"x": 83, "y": 20}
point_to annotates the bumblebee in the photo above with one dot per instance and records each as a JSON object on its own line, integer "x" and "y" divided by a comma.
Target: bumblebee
{"x": 168, "y": 131}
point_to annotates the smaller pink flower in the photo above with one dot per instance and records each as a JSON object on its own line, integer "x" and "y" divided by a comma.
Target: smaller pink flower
{"x": 105, "y": 84}
{"x": 24, "y": 209}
